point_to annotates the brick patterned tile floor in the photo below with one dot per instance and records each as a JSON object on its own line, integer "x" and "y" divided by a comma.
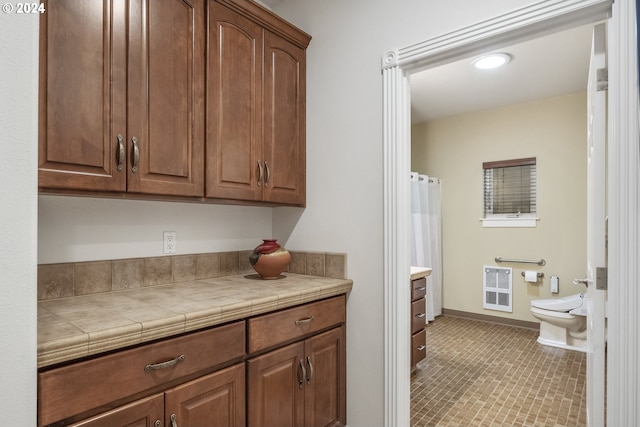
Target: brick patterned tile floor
{"x": 484, "y": 374}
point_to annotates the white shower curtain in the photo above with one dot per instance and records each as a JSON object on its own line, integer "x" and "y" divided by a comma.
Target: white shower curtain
{"x": 426, "y": 241}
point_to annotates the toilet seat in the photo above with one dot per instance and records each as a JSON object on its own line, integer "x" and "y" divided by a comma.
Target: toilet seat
{"x": 563, "y": 304}
{"x": 550, "y": 313}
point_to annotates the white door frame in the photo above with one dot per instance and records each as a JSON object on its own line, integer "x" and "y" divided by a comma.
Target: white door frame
{"x": 522, "y": 24}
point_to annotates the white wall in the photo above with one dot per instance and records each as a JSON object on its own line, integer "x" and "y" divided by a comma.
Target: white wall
{"x": 344, "y": 155}
{"x": 89, "y": 229}
{"x": 18, "y": 209}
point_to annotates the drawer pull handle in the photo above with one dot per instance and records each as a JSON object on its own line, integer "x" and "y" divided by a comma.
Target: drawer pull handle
{"x": 423, "y": 288}
{"x": 310, "y": 369}
{"x": 420, "y": 315}
{"x": 304, "y": 321}
{"x": 173, "y": 421}
{"x": 304, "y": 375}
{"x": 164, "y": 365}
{"x": 422, "y": 347}
{"x": 158, "y": 423}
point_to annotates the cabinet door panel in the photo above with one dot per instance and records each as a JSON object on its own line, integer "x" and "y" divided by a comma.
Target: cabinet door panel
{"x": 284, "y": 120}
{"x": 166, "y": 96}
{"x": 82, "y": 94}
{"x": 275, "y": 396}
{"x": 141, "y": 413}
{"x": 234, "y": 90}
{"x": 325, "y": 400}
{"x": 216, "y": 400}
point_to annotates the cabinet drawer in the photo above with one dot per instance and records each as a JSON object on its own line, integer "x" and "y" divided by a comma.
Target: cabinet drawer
{"x": 80, "y": 387}
{"x": 418, "y": 313}
{"x": 418, "y": 347}
{"x": 287, "y": 325}
{"x": 418, "y": 288}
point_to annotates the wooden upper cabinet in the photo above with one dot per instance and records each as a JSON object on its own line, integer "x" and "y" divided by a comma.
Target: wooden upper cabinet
{"x": 122, "y": 96}
{"x": 284, "y": 151}
{"x": 166, "y": 96}
{"x": 255, "y": 105}
{"x": 82, "y": 106}
{"x": 234, "y": 105}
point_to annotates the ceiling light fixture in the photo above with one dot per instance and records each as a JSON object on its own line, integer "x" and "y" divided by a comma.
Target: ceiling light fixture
{"x": 492, "y": 60}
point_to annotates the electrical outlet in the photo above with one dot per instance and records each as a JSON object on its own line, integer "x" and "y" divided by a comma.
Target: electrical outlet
{"x": 169, "y": 240}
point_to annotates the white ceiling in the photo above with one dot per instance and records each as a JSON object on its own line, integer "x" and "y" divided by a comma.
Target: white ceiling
{"x": 545, "y": 67}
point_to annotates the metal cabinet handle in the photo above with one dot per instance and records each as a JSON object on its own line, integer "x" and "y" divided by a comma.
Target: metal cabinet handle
{"x": 259, "y": 173}
{"x": 424, "y": 288}
{"x": 304, "y": 375}
{"x": 136, "y": 155}
{"x": 420, "y": 315}
{"x": 120, "y": 152}
{"x": 422, "y": 347}
{"x": 266, "y": 166}
{"x": 173, "y": 421}
{"x": 158, "y": 423}
{"x": 164, "y": 365}
{"x": 310, "y": 369}
{"x": 304, "y": 321}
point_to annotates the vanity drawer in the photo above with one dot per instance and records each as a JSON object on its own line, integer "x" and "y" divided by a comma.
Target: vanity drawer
{"x": 418, "y": 313}
{"x": 82, "y": 386}
{"x": 418, "y": 288}
{"x": 276, "y": 328}
{"x": 418, "y": 347}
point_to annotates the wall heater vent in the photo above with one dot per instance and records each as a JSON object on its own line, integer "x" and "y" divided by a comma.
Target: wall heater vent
{"x": 497, "y": 288}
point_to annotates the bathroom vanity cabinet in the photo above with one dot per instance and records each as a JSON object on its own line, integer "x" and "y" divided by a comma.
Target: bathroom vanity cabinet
{"x": 418, "y": 314}
{"x": 285, "y": 367}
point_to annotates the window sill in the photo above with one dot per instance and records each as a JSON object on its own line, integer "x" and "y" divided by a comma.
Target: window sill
{"x": 509, "y": 222}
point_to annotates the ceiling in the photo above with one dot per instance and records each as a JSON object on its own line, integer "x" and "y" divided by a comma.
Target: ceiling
{"x": 548, "y": 66}
{"x": 544, "y": 67}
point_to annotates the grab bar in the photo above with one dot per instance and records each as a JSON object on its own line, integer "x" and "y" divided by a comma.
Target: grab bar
{"x": 523, "y": 261}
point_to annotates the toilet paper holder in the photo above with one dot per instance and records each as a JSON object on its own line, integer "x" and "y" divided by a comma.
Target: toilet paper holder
{"x": 539, "y": 274}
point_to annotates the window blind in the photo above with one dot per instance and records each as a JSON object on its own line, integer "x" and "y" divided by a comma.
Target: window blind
{"x": 510, "y": 187}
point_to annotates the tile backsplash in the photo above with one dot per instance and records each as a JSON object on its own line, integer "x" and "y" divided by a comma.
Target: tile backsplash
{"x": 83, "y": 278}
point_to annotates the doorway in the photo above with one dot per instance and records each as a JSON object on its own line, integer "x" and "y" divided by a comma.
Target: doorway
{"x": 523, "y": 24}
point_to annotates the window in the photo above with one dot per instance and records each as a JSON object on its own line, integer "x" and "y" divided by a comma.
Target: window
{"x": 510, "y": 193}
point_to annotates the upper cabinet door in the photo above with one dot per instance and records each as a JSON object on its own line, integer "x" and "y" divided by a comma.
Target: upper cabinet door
{"x": 82, "y": 107}
{"x": 284, "y": 121}
{"x": 166, "y": 97}
{"x": 234, "y": 106}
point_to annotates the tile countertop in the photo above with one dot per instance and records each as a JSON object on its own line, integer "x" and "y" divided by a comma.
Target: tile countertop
{"x": 75, "y": 327}
{"x": 420, "y": 272}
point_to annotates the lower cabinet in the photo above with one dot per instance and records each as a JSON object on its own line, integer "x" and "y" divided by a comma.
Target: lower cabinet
{"x": 215, "y": 400}
{"x": 302, "y": 384}
{"x": 284, "y": 368}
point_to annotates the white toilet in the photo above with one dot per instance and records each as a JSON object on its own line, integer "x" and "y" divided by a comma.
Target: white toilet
{"x": 563, "y": 322}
